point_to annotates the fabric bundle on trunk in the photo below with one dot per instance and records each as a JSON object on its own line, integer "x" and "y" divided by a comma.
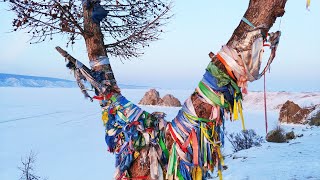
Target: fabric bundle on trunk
{"x": 197, "y": 141}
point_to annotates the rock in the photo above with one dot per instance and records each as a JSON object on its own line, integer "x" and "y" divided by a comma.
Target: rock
{"x": 300, "y": 135}
{"x": 224, "y": 167}
{"x": 170, "y": 100}
{"x": 152, "y": 97}
{"x": 314, "y": 117}
{"x": 293, "y": 113}
{"x": 277, "y": 135}
{"x": 290, "y": 135}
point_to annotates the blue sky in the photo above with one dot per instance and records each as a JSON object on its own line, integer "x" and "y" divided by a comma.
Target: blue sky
{"x": 178, "y": 60}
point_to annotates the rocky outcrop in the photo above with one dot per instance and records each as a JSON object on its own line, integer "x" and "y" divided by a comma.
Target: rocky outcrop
{"x": 290, "y": 112}
{"x": 170, "y": 100}
{"x": 314, "y": 117}
{"x": 152, "y": 97}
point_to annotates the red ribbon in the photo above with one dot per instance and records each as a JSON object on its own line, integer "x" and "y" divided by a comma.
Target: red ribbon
{"x": 139, "y": 177}
{"x": 100, "y": 98}
{"x": 194, "y": 143}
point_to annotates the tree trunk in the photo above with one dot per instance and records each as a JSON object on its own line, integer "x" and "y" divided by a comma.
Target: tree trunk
{"x": 259, "y": 12}
{"x": 96, "y": 48}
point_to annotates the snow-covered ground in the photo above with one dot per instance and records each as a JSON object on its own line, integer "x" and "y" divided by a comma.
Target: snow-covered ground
{"x": 297, "y": 160}
{"x": 66, "y": 132}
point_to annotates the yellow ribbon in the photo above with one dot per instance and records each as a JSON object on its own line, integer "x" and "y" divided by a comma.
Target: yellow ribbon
{"x": 213, "y": 130}
{"x": 308, "y": 4}
{"x": 220, "y": 156}
{"x": 220, "y": 174}
{"x": 105, "y": 117}
{"x": 203, "y": 130}
{"x": 136, "y": 154}
{"x": 197, "y": 173}
{"x": 235, "y": 110}
{"x": 222, "y": 99}
{"x": 241, "y": 115}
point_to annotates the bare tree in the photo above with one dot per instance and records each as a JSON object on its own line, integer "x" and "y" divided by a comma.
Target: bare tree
{"x": 125, "y": 26}
{"x": 256, "y": 23}
{"x": 27, "y": 168}
{"x": 119, "y": 28}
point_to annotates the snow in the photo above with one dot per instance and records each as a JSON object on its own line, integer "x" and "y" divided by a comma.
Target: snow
{"x": 274, "y": 99}
{"x": 66, "y": 132}
{"x": 298, "y": 159}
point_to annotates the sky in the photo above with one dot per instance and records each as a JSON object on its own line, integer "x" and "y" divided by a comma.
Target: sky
{"x": 179, "y": 59}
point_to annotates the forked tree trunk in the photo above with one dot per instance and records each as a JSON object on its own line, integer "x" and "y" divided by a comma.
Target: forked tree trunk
{"x": 259, "y": 12}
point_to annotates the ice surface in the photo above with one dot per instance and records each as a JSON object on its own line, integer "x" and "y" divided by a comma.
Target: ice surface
{"x": 66, "y": 132}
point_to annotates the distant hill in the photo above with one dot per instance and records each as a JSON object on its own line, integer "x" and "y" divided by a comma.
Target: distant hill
{"x": 128, "y": 86}
{"x": 15, "y": 80}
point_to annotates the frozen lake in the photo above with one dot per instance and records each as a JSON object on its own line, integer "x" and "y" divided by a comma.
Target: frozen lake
{"x": 66, "y": 133}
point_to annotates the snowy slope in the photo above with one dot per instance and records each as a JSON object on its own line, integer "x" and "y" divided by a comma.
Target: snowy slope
{"x": 255, "y": 101}
{"x": 297, "y": 160}
{"x": 67, "y": 133}
{"x": 14, "y": 80}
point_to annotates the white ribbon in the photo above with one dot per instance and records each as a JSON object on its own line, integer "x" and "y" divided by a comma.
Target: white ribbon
{"x": 102, "y": 60}
{"x": 227, "y": 54}
{"x": 78, "y": 64}
{"x": 154, "y": 165}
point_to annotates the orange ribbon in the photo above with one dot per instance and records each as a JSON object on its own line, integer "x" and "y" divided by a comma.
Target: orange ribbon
{"x": 226, "y": 66}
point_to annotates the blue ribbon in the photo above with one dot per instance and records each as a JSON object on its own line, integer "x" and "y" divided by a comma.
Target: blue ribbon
{"x": 98, "y": 13}
{"x": 178, "y": 130}
{"x": 212, "y": 82}
{"x": 248, "y": 22}
{"x": 184, "y": 171}
{"x": 126, "y": 162}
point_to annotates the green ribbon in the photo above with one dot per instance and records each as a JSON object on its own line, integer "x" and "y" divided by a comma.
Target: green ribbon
{"x": 172, "y": 160}
{"x": 129, "y": 104}
{"x": 180, "y": 175}
{"x": 194, "y": 118}
{"x": 123, "y": 117}
{"x": 113, "y": 99}
{"x": 139, "y": 143}
{"x": 211, "y": 95}
{"x": 163, "y": 147}
{"x": 223, "y": 78}
{"x": 204, "y": 147}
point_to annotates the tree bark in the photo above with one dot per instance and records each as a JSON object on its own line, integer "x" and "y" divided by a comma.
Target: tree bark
{"x": 259, "y": 12}
{"x": 96, "y": 48}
